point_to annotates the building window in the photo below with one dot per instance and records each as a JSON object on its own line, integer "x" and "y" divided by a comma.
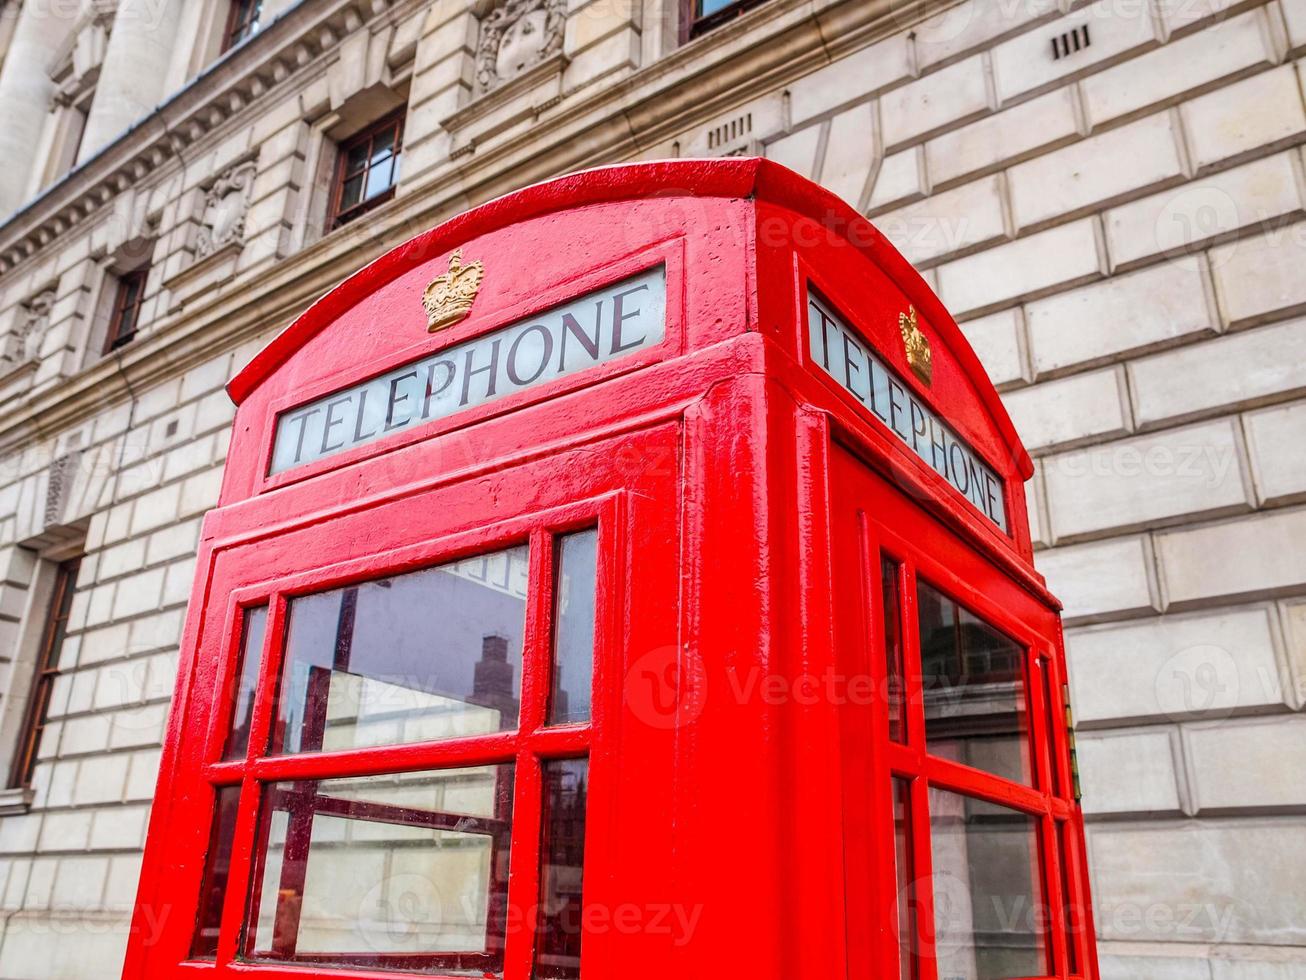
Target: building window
{"x": 126, "y": 309}
{"x": 367, "y": 170}
{"x": 242, "y": 22}
{"x": 701, "y": 16}
{"x": 47, "y": 669}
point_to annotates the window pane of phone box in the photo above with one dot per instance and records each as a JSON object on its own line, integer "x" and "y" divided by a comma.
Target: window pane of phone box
{"x": 402, "y": 872}
{"x": 426, "y": 655}
{"x": 973, "y": 682}
{"x": 217, "y": 866}
{"x": 253, "y": 627}
{"x": 989, "y": 914}
{"x": 562, "y": 870}
{"x": 573, "y": 645}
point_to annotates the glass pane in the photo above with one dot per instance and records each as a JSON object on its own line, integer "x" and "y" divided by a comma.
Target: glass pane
{"x": 708, "y": 7}
{"x": 352, "y": 192}
{"x": 129, "y": 295}
{"x": 427, "y": 655}
{"x": 382, "y": 144}
{"x": 356, "y": 157}
{"x": 379, "y": 179}
{"x": 562, "y": 866}
{"x": 573, "y": 644}
{"x": 895, "y": 687}
{"x": 973, "y": 682}
{"x": 1052, "y": 702}
{"x": 217, "y": 865}
{"x": 988, "y": 904}
{"x": 405, "y": 872}
{"x": 1070, "y": 919}
{"x": 251, "y": 657}
{"x": 906, "y": 877}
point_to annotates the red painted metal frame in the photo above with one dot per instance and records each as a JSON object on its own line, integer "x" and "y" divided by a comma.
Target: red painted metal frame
{"x": 711, "y": 468}
{"x": 876, "y": 521}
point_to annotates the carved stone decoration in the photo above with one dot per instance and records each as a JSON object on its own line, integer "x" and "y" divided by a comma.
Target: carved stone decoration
{"x": 23, "y": 343}
{"x": 515, "y": 35}
{"x": 75, "y": 66}
{"x": 59, "y": 481}
{"x": 222, "y": 216}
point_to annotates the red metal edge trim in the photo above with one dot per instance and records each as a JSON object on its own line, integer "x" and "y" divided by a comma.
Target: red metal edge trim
{"x": 740, "y": 177}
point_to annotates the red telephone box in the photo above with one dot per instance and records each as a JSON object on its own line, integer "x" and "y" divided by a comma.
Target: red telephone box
{"x": 628, "y": 578}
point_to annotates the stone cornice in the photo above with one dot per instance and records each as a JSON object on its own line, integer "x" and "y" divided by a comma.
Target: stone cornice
{"x": 657, "y": 102}
{"x": 291, "y": 43}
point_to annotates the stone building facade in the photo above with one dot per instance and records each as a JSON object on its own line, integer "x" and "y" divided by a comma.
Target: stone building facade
{"x": 1110, "y": 197}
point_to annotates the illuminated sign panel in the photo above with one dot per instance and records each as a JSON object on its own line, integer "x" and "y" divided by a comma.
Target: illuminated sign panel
{"x": 593, "y": 329}
{"x": 849, "y": 360}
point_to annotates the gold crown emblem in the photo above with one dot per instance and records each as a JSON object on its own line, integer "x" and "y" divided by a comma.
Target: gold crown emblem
{"x": 450, "y": 295}
{"x": 918, "y": 346}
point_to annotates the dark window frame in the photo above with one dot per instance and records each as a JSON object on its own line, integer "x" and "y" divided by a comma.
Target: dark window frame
{"x": 338, "y": 216}
{"x": 693, "y": 24}
{"x": 46, "y": 670}
{"x": 242, "y": 22}
{"x": 127, "y": 300}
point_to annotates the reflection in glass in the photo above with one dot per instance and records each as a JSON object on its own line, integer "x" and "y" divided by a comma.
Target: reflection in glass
{"x": 891, "y": 593}
{"x": 427, "y": 655}
{"x": 356, "y": 158}
{"x": 251, "y": 658}
{"x": 988, "y": 904}
{"x": 905, "y": 876}
{"x": 562, "y": 865}
{"x": 972, "y": 678}
{"x": 406, "y": 872}
{"x": 217, "y": 866}
{"x": 352, "y": 192}
{"x": 382, "y": 146}
{"x": 573, "y": 645}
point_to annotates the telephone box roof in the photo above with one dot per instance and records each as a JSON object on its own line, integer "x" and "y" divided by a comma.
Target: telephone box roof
{"x": 732, "y": 178}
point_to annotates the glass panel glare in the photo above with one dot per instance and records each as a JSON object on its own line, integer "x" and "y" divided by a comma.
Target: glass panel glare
{"x": 217, "y": 866}
{"x": 895, "y": 686}
{"x": 562, "y": 865}
{"x": 573, "y": 645}
{"x": 988, "y": 904}
{"x": 431, "y": 654}
{"x": 405, "y": 872}
{"x": 972, "y": 679}
{"x": 252, "y": 631}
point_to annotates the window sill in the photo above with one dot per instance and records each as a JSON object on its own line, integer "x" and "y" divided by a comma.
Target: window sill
{"x": 15, "y": 800}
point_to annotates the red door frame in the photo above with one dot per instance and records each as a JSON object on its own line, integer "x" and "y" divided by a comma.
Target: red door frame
{"x": 399, "y": 542}
{"x": 872, "y": 520}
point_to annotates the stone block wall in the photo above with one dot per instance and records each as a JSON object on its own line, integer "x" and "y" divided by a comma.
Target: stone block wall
{"x": 1122, "y": 232}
